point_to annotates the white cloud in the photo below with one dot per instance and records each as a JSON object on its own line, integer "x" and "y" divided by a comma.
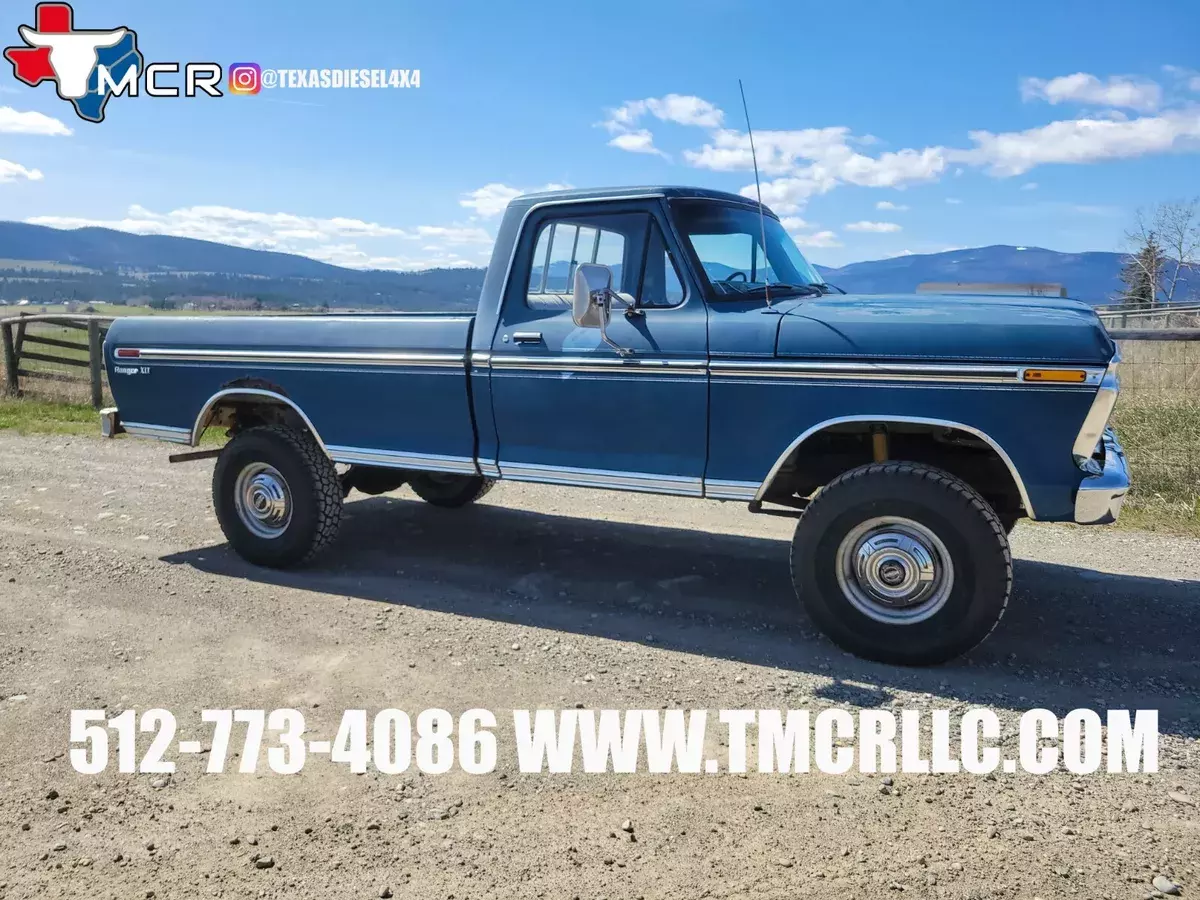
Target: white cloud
{"x": 813, "y": 161}
{"x": 1082, "y": 141}
{"x": 491, "y": 199}
{"x": 953, "y": 201}
{"x": 817, "y": 239}
{"x": 338, "y": 240}
{"x": 454, "y": 234}
{"x": 889, "y": 205}
{"x": 14, "y": 122}
{"x": 638, "y": 141}
{"x": 898, "y": 253}
{"x": 11, "y": 171}
{"x": 803, "y": 163}
{"x": 1029, "y": 186}
{"x": 1183, "y": 76}
{"x": 873, "y": 227}
{"x": 686, "y": 110}
{"x": 1117, "y": 90}
{"x": 804, "y": 237}
{"x": 789, "y": 195}
{"x": 682, "y": 109}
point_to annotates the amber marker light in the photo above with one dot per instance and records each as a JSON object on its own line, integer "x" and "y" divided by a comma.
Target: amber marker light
{"x": 1072, "y": 376}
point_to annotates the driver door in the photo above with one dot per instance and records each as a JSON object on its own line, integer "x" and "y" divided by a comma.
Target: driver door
{"x": 570, "y": 409}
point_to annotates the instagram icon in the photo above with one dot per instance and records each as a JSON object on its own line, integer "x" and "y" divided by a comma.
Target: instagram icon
{"x": 245, "y": 78}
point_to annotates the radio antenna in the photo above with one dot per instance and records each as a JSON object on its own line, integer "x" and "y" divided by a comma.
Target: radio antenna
{"x": 762, "y": 216}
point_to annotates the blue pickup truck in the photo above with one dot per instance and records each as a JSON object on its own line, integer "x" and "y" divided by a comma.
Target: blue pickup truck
{"x": 674, "y": 341}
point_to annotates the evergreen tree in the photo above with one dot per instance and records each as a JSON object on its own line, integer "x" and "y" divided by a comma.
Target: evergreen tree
{"x": 1143, "y": 271}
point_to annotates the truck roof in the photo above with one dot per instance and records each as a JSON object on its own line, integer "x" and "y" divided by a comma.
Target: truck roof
{"x": 674, "y": 191}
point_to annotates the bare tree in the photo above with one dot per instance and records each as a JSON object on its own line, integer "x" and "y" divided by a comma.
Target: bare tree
{"x": 1164, "y": 252}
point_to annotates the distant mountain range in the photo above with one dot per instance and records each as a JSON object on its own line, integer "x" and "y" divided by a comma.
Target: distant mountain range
{"x": 1093, "y": 277}
{"x": 48, "y": 265}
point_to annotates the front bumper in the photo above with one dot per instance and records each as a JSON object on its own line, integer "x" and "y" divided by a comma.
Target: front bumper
{"x": 1099, "y": 499}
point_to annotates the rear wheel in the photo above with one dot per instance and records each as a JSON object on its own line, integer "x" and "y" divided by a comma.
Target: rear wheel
{"x": 451, "y": 491}
{"x": 902, "y": 563}
{"x": 277, "y": 496}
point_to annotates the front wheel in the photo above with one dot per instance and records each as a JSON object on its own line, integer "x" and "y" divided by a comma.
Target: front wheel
{"x": 277, "y": 496}
{"x": 902, "y": 563}
{"x": 451, "y": 491}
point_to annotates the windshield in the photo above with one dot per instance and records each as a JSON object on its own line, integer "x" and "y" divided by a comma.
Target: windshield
{"x": 728, "y": 242}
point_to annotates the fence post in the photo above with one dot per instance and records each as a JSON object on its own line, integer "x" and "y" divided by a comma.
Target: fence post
{"x": 11, "y": 384}
{"x": 95, "y": 353}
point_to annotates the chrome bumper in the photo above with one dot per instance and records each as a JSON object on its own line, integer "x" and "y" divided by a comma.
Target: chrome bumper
{"x": 1099, "y": 499}
{"x": 110, "y": 422}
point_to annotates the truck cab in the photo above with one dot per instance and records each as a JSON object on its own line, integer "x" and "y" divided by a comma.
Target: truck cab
{"x": 668, "y": 340}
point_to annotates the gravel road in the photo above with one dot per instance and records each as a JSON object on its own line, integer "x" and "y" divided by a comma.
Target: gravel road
{"x": 116, "y": 592}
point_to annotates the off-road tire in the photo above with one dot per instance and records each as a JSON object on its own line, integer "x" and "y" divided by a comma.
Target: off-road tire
{"x": 952, "y": 510}
{"x": 312, "y": 481}
{"x": 449, "y": 491}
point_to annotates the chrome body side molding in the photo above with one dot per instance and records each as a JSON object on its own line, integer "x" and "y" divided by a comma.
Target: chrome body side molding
{"x": 730, "y": 490}
{"x": 967, "y": 373}
{"x": 297, "y": 357}
{"x": 393, "y": 459}
{"x": 604, "y": 479}
{"x": 635, "y": 366}
{"x": 159, "y": 432}
{"x": 907, "y": 420}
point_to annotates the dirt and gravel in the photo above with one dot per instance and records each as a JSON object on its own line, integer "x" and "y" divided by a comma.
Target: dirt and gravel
{"x": 116, "y": 592}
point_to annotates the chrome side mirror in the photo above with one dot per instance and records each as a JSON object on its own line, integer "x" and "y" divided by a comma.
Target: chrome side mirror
{"x": 591, "y": 303}
{"x": 592, "y": 298}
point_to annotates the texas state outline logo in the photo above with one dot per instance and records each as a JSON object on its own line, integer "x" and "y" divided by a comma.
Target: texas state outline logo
{"x": 73, "y": 58}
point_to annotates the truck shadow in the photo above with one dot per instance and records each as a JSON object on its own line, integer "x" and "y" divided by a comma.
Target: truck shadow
{"x": 1071, "y": 637}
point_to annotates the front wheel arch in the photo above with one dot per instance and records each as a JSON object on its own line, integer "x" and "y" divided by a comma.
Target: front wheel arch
{"x": 1004, "y": 488}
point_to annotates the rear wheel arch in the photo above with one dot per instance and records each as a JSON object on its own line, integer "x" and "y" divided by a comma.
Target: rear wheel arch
{"x": 241, "y": 406}
{"x": 1002, "y": 484}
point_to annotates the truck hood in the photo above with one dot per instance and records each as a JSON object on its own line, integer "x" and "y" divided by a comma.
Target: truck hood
{"x": 943, "y": 327}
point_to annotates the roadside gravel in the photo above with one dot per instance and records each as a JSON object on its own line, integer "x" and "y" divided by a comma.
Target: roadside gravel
{"x": 116, "y": 592}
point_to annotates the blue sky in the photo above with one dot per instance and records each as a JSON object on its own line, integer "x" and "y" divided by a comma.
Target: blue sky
{"x": 1041, "y": 124}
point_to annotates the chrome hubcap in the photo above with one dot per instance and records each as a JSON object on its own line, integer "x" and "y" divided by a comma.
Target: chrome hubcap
{"x": 894, "y": 570}
{"x": 263, "y": 501}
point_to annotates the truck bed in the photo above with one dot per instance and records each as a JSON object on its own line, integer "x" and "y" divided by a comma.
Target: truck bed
{"x": 165, "y": 370}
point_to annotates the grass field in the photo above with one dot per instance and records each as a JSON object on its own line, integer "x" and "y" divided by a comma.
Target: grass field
{"x": 40, "y": 416}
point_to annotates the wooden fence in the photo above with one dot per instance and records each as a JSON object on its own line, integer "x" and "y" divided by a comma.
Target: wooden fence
{"x": 19, "y": 332}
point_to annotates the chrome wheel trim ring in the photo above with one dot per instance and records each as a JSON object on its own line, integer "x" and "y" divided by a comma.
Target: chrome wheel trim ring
{"x": 894, "y": 570}
{"x": 263, "y": 500}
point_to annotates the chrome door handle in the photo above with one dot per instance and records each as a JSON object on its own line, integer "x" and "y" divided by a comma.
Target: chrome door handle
{"x": 527, "y": 337}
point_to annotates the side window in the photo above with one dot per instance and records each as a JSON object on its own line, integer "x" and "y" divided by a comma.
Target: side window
{"x": 661, "y": 285}
{"x": 562, "y": 244}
